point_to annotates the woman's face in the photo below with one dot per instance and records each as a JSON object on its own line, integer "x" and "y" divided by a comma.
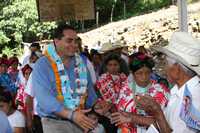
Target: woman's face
{"x": 27, "y": 73}
{"x": 3, "y": 68}
{"x": 4, "y": 107}
{"x": 142, "y": 76}
{"x": 113, "y": 67}
{"x": 96, "y": 59}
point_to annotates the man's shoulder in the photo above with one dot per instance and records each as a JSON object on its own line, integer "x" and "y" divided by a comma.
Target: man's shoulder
{"x": 42, "y": 67}
{"x": 42, "y": 62}
{"x": 194, "y": 83}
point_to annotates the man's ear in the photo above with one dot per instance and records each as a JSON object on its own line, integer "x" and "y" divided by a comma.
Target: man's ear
{"x": 56, "y": 41}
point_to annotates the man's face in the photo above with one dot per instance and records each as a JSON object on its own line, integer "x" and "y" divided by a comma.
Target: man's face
{"x": 66, "y": 46}
{"x": 172, "y": 72}
{"x": 33, "y": 49}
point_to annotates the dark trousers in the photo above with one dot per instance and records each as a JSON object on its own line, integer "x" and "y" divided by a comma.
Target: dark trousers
{"x": 109, "y": 128}
{"x": 37, "y": 125}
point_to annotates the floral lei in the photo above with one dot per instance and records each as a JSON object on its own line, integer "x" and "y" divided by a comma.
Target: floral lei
{"x": 72, "y": 97}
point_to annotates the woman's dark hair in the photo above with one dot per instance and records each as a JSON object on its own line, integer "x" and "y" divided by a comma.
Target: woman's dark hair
{"x": 140, "y": 60}
{"x": 94, "y": 52}
{"x": 13, "y": 60}
{"x": 5, "y": 96}
{"x": 112, "y": 56}
{"x": 4, "y": 61}
{"x": 142, "y": 49}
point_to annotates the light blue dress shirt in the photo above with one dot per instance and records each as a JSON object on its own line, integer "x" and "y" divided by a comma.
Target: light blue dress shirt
{"x": 42, "y": 81}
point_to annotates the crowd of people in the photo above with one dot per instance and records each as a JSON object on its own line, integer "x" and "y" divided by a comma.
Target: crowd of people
{"x": 68, "y": 89}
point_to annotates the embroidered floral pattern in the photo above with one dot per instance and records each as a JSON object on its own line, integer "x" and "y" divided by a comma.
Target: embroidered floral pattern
{"x": 21, "y": 98}
{"x": 116, "y": 91}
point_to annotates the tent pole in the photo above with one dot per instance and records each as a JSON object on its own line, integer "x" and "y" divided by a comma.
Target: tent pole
{"x": 182, "y": 15}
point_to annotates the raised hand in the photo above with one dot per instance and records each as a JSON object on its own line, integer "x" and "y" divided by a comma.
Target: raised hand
{"x": 148, "y": 104}
{"x": 83, "y": 121}
{"x": 102, "y": 107}
{"x": 121, "y": 117}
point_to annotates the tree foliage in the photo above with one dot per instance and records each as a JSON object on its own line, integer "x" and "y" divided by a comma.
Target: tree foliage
{"x": 19, "y": 18}
{"x": 19, "y": 22}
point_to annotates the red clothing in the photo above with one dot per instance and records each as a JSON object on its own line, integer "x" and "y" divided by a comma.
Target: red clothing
{"x": 114, "y": 89}
{"x": 21, "y": 98}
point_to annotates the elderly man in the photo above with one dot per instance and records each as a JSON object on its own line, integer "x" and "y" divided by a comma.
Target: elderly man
{"x": 62, "y": 86}
{"x": 182, "y": 67}
{"x": 182, "y": 114}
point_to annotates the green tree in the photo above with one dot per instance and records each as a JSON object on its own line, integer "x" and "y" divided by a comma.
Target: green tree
{"x": 19, "y": 22}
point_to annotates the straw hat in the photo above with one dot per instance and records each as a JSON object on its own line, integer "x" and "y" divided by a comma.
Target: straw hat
{"x": 111, "y": 46}
{"x": 185, "y": 49}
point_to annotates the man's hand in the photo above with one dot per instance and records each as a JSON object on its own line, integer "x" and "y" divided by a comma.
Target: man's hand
{"x": 102, "y": 107}
{"x": 121, "y": 117}
{"x": 148, "y": 104}
{"x": 83, "y": 121}
{"x": 29, "y": 124}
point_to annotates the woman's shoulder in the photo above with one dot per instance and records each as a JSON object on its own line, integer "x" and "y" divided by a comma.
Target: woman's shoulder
{"x": 17, "y": 119}
{"x": 17, "y": 114}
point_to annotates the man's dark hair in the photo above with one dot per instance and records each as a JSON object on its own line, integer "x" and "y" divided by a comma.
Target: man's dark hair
{"x": 35, "y": 44}
{"x": 58, "y": 32}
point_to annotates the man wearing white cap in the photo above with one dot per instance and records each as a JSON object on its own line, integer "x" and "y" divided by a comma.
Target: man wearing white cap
{"x": 182, "y": 114}
{"x": 182, "y": 68}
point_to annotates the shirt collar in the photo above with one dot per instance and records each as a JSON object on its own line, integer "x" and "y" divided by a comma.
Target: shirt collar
{"x": 190, "y": 84}
{"x": 193, "y": 82}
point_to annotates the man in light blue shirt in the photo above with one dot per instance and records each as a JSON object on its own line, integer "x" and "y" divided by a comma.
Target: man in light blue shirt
{"x": 55, "y": 117}
{"x": 5, "y": 125}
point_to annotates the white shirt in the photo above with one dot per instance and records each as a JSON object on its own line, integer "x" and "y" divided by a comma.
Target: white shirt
{"x": 91, "y": 71}
{"x": 29, "y": 90}
{"x": 16, "y": 119}
{"x": 173, "y": 108}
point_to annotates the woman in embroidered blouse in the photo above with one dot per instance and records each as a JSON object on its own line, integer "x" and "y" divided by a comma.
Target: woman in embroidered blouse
{"x": 13, "y": 69}
{"x": 112, "y": 87}
{"x": 141, "y": 67}
{"x": 21, "y": 95}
